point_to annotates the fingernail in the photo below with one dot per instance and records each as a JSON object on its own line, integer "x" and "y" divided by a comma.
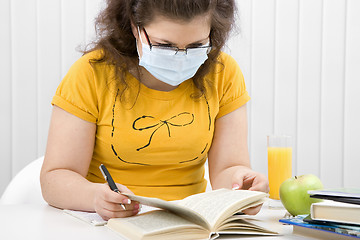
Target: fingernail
{"x": 235, "y": 186}
{"x": 127, "y": 201}
{"x": 137, "y": 206}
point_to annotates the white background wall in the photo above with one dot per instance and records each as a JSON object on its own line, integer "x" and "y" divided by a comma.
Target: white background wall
{"x": 300, "y": 58}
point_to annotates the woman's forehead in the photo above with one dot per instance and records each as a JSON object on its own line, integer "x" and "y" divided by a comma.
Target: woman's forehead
{"x": 181, "y": 32}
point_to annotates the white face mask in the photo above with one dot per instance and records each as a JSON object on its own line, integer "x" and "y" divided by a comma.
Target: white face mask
{"x": 170, "y": 67}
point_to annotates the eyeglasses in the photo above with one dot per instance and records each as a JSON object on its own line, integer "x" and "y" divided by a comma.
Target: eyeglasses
{"x": 171, "y": 50}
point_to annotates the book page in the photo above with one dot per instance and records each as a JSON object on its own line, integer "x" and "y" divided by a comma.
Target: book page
{"x": 329, "y": 203}
{"x": 243, "y": 224}
{"x": 217, "y": 205}
{"x": 173, "y": 207}
{"x": 158, "y": 224}
{"x": 208, "y": 209}
{"x": 336, "y": 212}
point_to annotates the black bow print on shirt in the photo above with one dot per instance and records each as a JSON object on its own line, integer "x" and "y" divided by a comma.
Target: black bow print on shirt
{"x": 149, "y": 122}
{"x": 174, "y": 121}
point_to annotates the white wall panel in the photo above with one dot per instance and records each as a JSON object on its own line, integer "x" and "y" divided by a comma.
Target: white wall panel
{"x": 262, "y": 80}
{"x": 49, "y": 63}
{"x": 332, "y": 92}
{"x": 93, "y": 7}
{"x": 352, "y": 96}
{"x": 239, "y": 43}
{"x": 286, "y": 64}
{"x": 72, "y": 32}
{"x": 309, "y": 87}
{"x": 24, "y": 75}
{"x": 5, "y": 96}
{"x": 239, "y": 46}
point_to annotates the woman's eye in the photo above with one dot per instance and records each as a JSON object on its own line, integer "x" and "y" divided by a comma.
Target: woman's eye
{"x": 165, "y": 45}
{"x": 195, "y": 45}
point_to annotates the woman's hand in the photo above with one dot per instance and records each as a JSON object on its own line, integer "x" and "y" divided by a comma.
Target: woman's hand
{"x": 109, "y": 204}
{"x": 245, "y": 178}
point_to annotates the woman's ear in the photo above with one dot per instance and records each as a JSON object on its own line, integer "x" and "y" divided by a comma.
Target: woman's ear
{"x": 134, "y": 30}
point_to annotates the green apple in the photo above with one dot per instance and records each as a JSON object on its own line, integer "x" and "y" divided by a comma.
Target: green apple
{"x": 294, "y": 196}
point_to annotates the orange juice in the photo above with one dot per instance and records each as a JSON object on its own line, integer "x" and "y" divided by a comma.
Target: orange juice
{"x": 279, "y": 168}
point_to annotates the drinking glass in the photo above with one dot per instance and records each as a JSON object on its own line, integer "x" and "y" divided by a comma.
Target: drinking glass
{"x": 279, "y": 149}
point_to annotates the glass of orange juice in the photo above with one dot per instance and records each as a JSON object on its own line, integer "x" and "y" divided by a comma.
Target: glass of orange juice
{"x": 279, "y": 162}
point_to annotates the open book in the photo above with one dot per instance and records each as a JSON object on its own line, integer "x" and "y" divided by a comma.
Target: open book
{"x": 200, "y": 216}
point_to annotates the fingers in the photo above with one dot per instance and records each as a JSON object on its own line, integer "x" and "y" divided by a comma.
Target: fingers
{"x": 238, "y": 180}
{"x": 252, "y": 210}
{"x": 244, "y": 178}
{"x": 250, "y": 180}
{"x": 115, "y": 206}
{"x": 260, "y": 183}
{"x": 114, "y": 197}
{"x": 107, "y": 214}
{"x": 261, "y": 187}
{"x": 243, "y": 181}
{"x": 123, "y": 188}
{"x": 109, "y": 204}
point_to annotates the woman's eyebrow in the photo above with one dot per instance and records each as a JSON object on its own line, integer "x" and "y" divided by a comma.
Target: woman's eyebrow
{"x": 171, "y": 43}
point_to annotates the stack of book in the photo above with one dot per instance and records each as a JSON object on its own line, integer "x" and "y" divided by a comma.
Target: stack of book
{"x": 337, "y": 217}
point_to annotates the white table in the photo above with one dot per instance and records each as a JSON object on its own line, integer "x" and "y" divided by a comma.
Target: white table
{"x": 44, "y": 222}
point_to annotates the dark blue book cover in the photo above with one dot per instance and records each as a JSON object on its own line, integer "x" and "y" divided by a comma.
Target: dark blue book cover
{"x": 346, "y": 195}
{"x": 340, "y": 229}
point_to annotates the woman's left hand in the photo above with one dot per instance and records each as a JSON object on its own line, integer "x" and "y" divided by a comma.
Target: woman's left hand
{"x": 247, "y": 179}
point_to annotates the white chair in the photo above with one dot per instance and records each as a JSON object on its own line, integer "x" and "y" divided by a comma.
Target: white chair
{"x": 25, "y": 186}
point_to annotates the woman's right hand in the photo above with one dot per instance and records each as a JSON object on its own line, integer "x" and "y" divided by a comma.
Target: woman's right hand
{"x": 108, "y": 204}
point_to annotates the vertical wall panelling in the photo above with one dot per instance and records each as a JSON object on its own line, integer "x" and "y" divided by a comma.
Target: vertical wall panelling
{"x": 72, "y": 32}
{"x": 239, "y": 46}
{"x": 332, "y": 89}
{"x": 239, "y": 42}
{"x": 352, "y": 96}
{"x": 5, "y": 96}
{"x": 93, "y": 7}
{"x": 262, "y": 79}
{"x": 24, "y": 81}
{"x": 49, "y": 72}
{"x": 309, "y": 89}
{"x": 286, "y": 63}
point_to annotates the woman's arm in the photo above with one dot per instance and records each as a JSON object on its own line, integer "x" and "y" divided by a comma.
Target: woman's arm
{"x": 68, "y": 154}
{"x": 229, "y": 163}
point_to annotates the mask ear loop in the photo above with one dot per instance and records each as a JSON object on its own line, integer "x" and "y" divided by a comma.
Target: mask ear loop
{"x": 137, "y": 46}
{"x": 142, "y": 43}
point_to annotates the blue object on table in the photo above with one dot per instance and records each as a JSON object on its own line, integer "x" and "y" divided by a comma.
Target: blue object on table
{"x": 342, "y": 229}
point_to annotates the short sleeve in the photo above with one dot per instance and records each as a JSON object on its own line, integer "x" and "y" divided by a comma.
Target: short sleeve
{"x": 231, "y": 86}
{"x": 76, "y": 93}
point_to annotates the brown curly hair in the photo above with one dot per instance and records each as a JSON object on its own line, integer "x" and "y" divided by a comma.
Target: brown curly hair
{"x": 117, "y": 43}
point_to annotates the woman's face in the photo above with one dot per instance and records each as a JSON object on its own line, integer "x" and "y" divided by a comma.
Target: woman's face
{"x": 175, "y": 33}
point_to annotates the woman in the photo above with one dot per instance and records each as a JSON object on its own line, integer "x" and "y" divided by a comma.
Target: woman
{"x": 152, "y": 100}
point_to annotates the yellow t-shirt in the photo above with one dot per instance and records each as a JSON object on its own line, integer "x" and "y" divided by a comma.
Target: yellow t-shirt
{"x": 156, "y": 143}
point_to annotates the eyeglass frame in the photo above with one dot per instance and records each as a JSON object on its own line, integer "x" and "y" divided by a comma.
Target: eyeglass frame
{"x": 176, "y": 49}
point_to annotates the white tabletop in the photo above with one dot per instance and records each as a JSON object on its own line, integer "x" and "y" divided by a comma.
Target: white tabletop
{"x": 44, "y": 222}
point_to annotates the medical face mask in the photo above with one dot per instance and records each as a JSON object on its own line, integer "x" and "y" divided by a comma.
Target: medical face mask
{"x": 169, "y": 66}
